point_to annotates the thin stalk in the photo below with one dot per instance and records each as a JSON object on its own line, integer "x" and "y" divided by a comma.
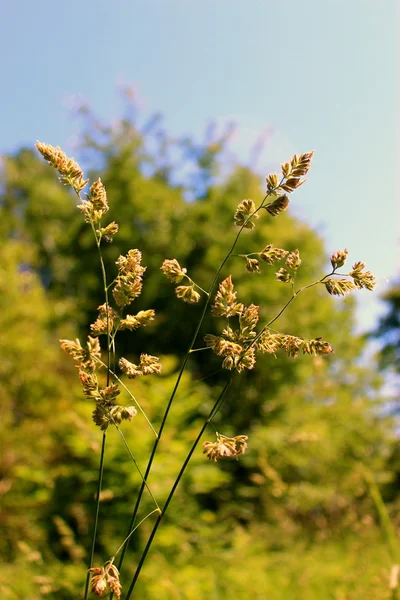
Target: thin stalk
{"x": 179, "y": 377}
{"x": 214, "y": 411}
{"x": 136, "y": 465}
{"x": 173, "y": 489}
{"x": 99, "y": 482}
{"x": 196, "y": 285}
{"x": 211, "y": 415}
{"x": 130, "y": 394}
{"x": 103, "y": 271}
{"x": 295, "y": 294}
{"x": 200, "y": 349}
{"x": 156, "y": 510}
{"x": 116, "y": 329}
{"x": 103, "y": 445}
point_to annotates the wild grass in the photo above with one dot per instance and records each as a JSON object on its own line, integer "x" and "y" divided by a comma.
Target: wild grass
{"x": 103, "y": 374}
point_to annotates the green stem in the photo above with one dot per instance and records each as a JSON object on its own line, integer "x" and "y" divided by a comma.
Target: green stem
{"x": 199, "y": 349}
{"x": 103, "y": 446}
{"x": 99, "y": 482}
{"x": 294, "y": 295}
{"x": 156, "y": 510}
{"x": 173, "y": 489}
{"x": 183, "y": 365}
{"x": 130, "y": 394}
{"x": 196, "y": 285}
{"x": 103, "y": 271}
{"x": 178, "y": 380}
{"x": 116, "y": 329}
{"x": 136, "y": 465}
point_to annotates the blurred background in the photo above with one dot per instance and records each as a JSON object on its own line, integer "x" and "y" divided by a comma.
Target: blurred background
{"x": 183, "y": 108}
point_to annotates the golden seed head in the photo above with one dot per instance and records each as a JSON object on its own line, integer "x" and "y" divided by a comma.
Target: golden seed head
{"x": 68, "y": 168}
{"x": 293, "y": 260}
{"x": 252, "y": 265}
{"x": 243, "y": 212}
{"x": 187, "y": 293}
{"x": 283, "y": 275}
{"x": 339, "y": 287}
{"x": 225, "y": 300}
{"x": 278, "y": 205}
{"x": 339, "y": 258}
{"x": 173, "y": 270}
{"x": 225, "y": 447}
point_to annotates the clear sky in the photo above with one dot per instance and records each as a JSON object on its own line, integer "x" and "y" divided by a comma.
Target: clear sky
{"x": 309, "y": 74}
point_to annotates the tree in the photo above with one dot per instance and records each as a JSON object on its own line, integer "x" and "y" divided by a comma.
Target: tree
{"x": 388, "y": 330}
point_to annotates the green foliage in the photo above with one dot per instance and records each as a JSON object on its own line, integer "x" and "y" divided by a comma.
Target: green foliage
{"x": 388, "y": 330}
{"x": 281, "y": 513}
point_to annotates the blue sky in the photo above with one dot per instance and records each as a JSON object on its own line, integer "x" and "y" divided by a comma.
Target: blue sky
{"x": 309, "y": 74}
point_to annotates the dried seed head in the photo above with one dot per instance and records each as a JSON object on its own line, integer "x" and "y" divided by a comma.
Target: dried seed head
{"x": 272, "y": 181}
{"x": 128, "y": 412}
{"x": 126, "y": 290}
{"x": 228, "y": 363}
{"x": 225, "y": 300}
{"x": 98, "y": 196}
{"x": 277, "y": 206}
{"x": 283, "y": 275}
{"x": 339, "y": 258}
{"x": 292, "y": 345}
{"x": 247, "y": 360}
{"x": 141, "y": 319}
{"x": 187, "y": 293}
{"x": 116, "y": 414}
{"x": 95, "y": 206}
{"x": 285, "y": 168}
{"x": 248, "y": 321}
{"x": 105, "y": 320}
{"x": 148, "y": 365}
{"x": 173, "y": 270}
{"x": 115, "y": 586}
{"x": 109, "y": 393}
{"x": 339, "y": 287}
{"x": 105, "y": 577}
{"x": 361, "y": 278}
{"x": 225, "y": 447}
{"x": 292, "y": 183}
{"x": 68, "y": 168}
{"x": 130, "y": 264}
{"x": 108, "y": 232}
{"x": 223, "y": 347}
{"x": 101, "y": 416}
{"x": 98, "y": 583}
{"x": 74, "y": 349}
{"x": 243, "y": 212}
{"x": 301, "y": 164}
{"x": 316, "y": 347}
{"x": 131, "y": 370}
{"x": 128, "y": 284}
{"x": 85, "y": 357}
{"x": 293, "y": 170}
{"x": 252, "y": 265}
{"x": 90, "y": 385}
{"x": 269, "y": 343}
{"x": 293, "y": 260}
{"x": 270, "y": 255}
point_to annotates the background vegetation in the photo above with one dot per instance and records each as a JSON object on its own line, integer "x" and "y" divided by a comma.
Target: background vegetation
{"x": 295, "y": 518}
